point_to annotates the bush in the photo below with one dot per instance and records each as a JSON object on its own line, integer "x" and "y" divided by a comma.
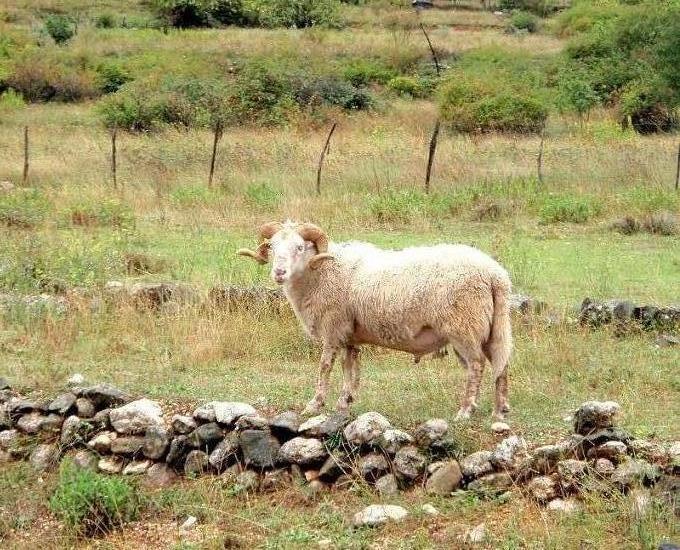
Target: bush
{"x": 11, "y": 100}
{"x": 102, "y": 213}
{"x": 60, "y": 28}
{"x": 105, "y": 21}
{"x": 111, "y": 77}
{"x": 569, "y": 208}
{"x": 330, "y": 90}
{"x": 23, "y": 209}
{"x": 91, "y": 503}
{"x": 538, "y": 7}
{"x": 661, "y": 223}
{"x": 298, "y": 13}
{"x": 408, "y": 85}
{"x": 522, "y": 20}
{"x": 361, "y": 72}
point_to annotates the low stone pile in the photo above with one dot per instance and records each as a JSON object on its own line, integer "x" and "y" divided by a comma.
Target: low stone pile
{"x": 104, "y": 428}
{"x": 624, "y": 315}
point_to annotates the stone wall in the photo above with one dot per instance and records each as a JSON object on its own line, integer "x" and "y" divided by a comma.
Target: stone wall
{"x": 102, "y": 427}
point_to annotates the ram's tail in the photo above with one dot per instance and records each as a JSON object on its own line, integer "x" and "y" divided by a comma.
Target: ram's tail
{"x": 499, "y": 346}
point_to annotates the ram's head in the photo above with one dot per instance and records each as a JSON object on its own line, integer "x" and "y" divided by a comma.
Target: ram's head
{"x": 291, "y": 246}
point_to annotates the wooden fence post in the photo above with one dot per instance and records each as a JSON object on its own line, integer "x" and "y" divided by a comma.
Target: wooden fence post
{"x": 25, "y": 178}
{"x": 677, "y": 170}
{"x": 435, "y": 131}
{"x": 114, "y": 134}
{"x": 324, "y": 151}
{"x": 216, "y": 139}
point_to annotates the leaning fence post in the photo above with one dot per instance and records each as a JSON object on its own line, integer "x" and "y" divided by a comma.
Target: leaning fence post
{"x": 677, "y": 170}
{"x": 25, "y": 178}
{"x": 435, "y": 131}
{"x": 113, "y": 157}
{"x": 324, "y": 151}
{"x": 216, "y": 139}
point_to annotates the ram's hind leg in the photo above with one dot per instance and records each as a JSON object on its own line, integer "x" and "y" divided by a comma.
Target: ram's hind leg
{"x": 474, "y": 362}
{"x": 327, "y": 357}
{"x": 350, "y": 372}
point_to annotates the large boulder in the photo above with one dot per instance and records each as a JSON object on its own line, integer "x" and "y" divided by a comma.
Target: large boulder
{"x": 136, "y": 417}
{"x": 303, "y": 451}
{"x": 366, "y": 428}
{"x": 595, "y": 415}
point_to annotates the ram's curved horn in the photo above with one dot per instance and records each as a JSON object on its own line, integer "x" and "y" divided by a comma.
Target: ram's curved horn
{"x": 261, "y": 255}
{"x": 313, "y": 233}
{"x": 267, "y": 230}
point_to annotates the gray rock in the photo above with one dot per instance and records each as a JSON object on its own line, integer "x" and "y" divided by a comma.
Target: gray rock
{"x": 392, "y": 440}
{"x": 62, "y": 403}
{"x": 667, "y": 341}
{"x": 111, "y": 464}
{"x": 52, "y": 423}
{"x": 564, "y": 506}
{"x": 76, "y": 380}
{"x": 224, "y": 412}
{"x": 431, "y": 431}
{"x": 542, "y": 488}
{"x": 225, "y": 452}
{"x": 196, "y": 463}
{"x": 260, "y": 449}
{"x": 285, "y": 425}
{"x": 101, "y": 442}
{"x": 600, "y": 437}
{"x": 595, "y": 415}
{"x": 247, "y": 481}
{"x": 127, "y": 445}
{"x": 377, "y": 514}
{"x": 366, "y": 428}
{"x": 44, "y": 457}
{"x": 545, "y": 458}
{"x": 4, "y": 384}
{"x": 85, "y": 460}
{"x": 105, "y": 395}
{"x": 9, "y": 439}
{"x": 445, "y": 479}
{"x": 571, "y": 446}
{"x": 476, "y": 465}
{"x": 372, "y": 466}
{"x": 179, "y": 447}
{"x": 156, "y": 442}
{"x": 85, "y": 408}
{"x": 183, "y": 424}
{"x": 275, "y": 480}
{"x": 611, "y": 450}
{"x": 571, "y": 472}
{"x": 102, "y": 420}
{"x": 135, "y": 417}
{"x": 323, "y": 425}
{"x": 604, "y": 467}
{"x": 206, "y": 436}
{"x": 75, "y": 431}
{"x": 476, "y": 535}
{"x": 500, "y": 428}
{"x": 649, "y": 451}
{"x": 17, "y": 406}
{"x": 252, "y": 422}
{"x": 30, "y": 423}
{"x": 303, "y": 451}
{"x": 507, "y": 452}
{"x": 491, "y": 485}
{"x": 409, "y": 463}
{"x": 387, "y": 485}
{"x": 160, "y": 475}
{"x": 635, "y": 472}
{"x": 205, "y": 413}
{"x": 429, "y": 509}
{"x": 137, "y": 467}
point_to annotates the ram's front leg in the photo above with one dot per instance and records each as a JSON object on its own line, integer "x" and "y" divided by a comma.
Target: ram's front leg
{"x": 350, "y": 371}
{"x": 327, "y": 357}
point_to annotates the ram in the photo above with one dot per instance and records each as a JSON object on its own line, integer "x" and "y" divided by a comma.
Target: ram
{"x": 417, "y": 300}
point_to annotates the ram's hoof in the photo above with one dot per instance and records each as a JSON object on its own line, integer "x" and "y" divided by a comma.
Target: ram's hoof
{"x": 463, "y": 414}
{"x": 313, "y": 408}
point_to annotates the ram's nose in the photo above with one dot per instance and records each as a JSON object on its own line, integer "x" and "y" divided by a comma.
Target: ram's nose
{"x": 279, "y": 274}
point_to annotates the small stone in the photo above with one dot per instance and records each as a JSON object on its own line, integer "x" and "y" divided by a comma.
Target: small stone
{"x": 323, "y": 426}
{"x": 387, "y": 485}
{"x": 135, "y": 417}
{"x": 604, "y": 467}
{"x": 85, "y": 460}
{"x": 430, "y": 510}
{"x": 224, "y": 412}
{"x": 101, "y": 442}
{"x": 542, "y": 488}
{"x": 179, "y": 447}
{"x": 127, "y": 445}
{"x": 225, "y": 451}
{"x": 595, "y": 415}
{"x": 105, "y": 395}
{"x": 491, "y": 485}
{"x": 649, "y": 451}
{"x": 500, "y": 428}
{"x": 85, "y": 408}
{"x": 101, "y": 419}
{"x": 311, "y": 475}
{"x": 30, "y": 423}
{"x": 430, "y": 431}
{"x": 156, "y": 442}
{"x": 76, "y": 379}
{"x": 392, "y": 440}
{"x": 44, "y": 457}
{"x": 571, "y": 472}
{"x": 188, "y": 524}
{"x": 377, "y": 514}
{"x": 476, "y": 535}
{"x": 285, "y": 425}
{"x": 507, "y": 451}
{"x": 545, "y": 458}
{"x": 196, "y": 463}
{"x": 205, "y": 413}
{"x": 409, "y": 463}
{"x": 137, "y": 467}
{"x": 366, "y": 428}
{"x": 9, "y": 439}
{"x": 372, "y": 466}
{"x": 247, "y": 481}
{"x": 206, "y": 435}
{"x": 74, "y": 431}
{"x": 476, "y": 465}
{"x": 52, "y": 423}
{"x": 160, "y": 475}
{"x": 571, "y": 446}
{"x": 445, "y": 479}
{"x": 667, "y": 341}
{"x": 564, "y": 506}
{"x": 611, "y": 450}
{"x": 62, "y": 404}
{"x": 303, "y": 451}
{"x": 111, "y": 464}
{"x": 260, "y": 449}
{"x": 252, "y": 422}
{"x": 634, "y": 472}
{"x": 183, "y": 424}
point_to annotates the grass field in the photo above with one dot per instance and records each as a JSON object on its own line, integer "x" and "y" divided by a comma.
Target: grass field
{"x": 485, "y": 192}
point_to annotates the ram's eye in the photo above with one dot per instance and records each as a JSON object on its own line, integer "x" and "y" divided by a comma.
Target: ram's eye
{"x": 300, "y": 248}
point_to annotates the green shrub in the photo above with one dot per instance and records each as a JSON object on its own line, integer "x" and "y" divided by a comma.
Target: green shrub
{"x": 523, "y": 20}
{"x": 538, "y": 7}
{"x": 569, "y": 208}
{"x": 105, "y": 21}
{"x": 60, "y": 28}
{"x": 408, "y": 85}
{"x": 361, "y": 72}
{"x": 330, "y": 90}
{"x": 185, "y": 14}
{"x": 576, "y": 92}
{"x": 23, "y": 209}
{"x": 10, "y": 101}
{"x": 109, "y": 213}
{"x": 298, "y": 13}
{"x": 91, "y": 503}
{"x": 111, "y": 77}
{"x": 263, "y": 195}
